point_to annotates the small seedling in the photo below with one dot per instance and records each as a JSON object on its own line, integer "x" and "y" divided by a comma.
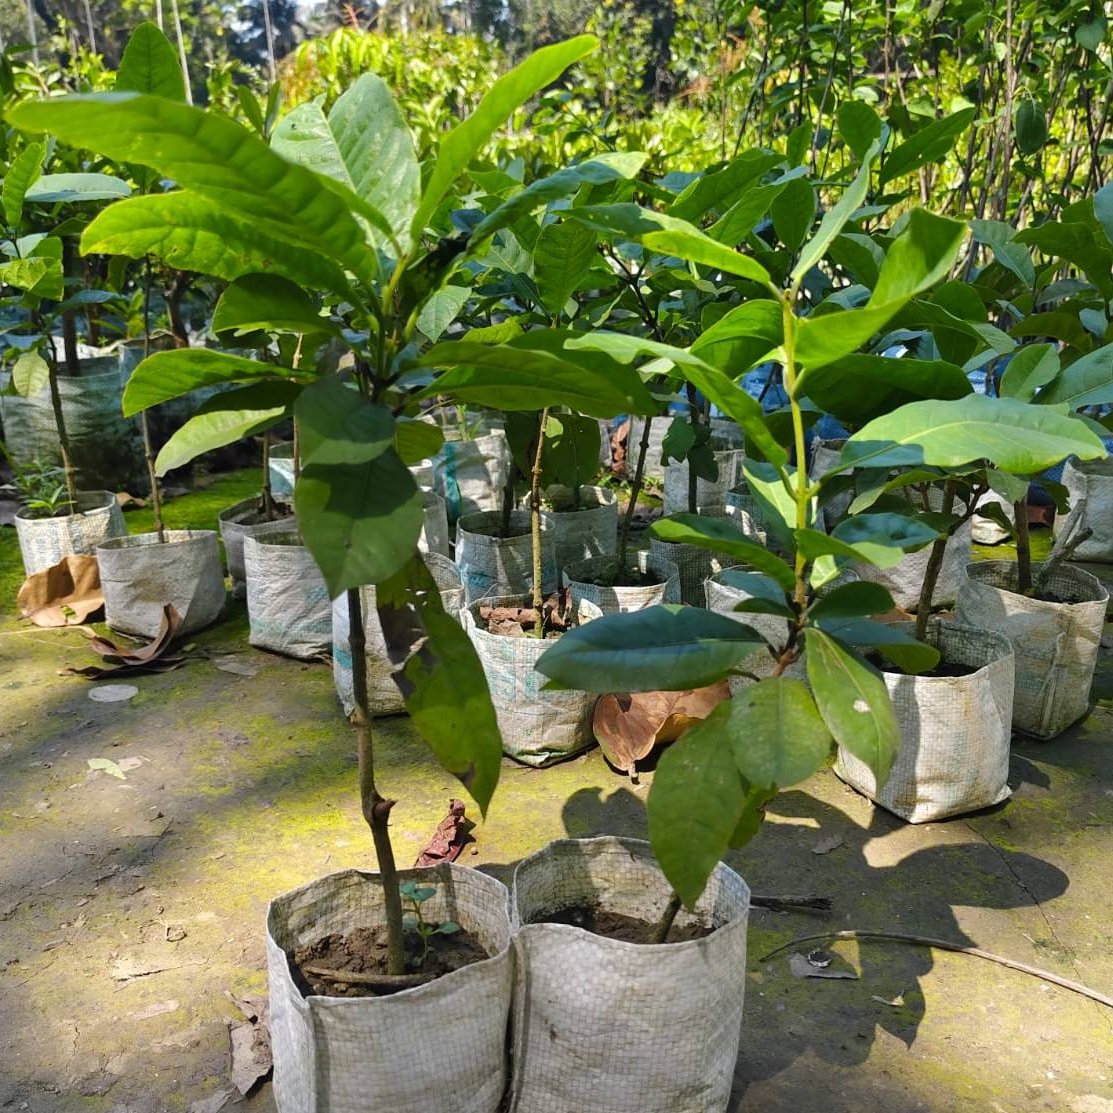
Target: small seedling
{"x": 415, "y": 896}
{"x": 42, "y": 489}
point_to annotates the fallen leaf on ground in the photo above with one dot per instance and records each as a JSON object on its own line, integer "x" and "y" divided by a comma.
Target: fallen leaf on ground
{"x": 65, "y": 594}
{"x": 236, "y": 665}
{"x": 896, "y": 1003}
{"x": 140, "y": 963}
{"x": 453, "y": 833}
{"x": 125, "y": 498}
{"x": 826, "y": 844}
{"x": 152, "y": 657}
{"x": 802, "y": 968}
{"x": 107, "y": 765}
{"x": 213, "y": 1104}
{"x": 113, "y": 693}
{"x": 250, "y": 1042}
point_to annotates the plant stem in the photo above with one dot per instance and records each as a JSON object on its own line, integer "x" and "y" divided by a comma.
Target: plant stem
{"x": 376, "y": 809}
{"x": 507, "y": 502}
{"x": 268, "y": 497}
{"x": 934, "y": 564}
{"x": 63, "y": 437}
{"x": 664, "y": 925}
{"x": 1023, "y": 546}
{"x": 144, "y": 424}
{"x": 693, "y": 479}
{"x": 297, "y": 451}
{"x": 635, "y": 491}
{"x": 800, "y": 488}
{"x": 535, "y": 523}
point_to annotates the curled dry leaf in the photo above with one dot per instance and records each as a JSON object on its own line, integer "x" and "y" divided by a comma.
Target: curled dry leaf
{"x": 122, "y": 661}
{"x": 628, "y": 725}
{"x": 453, "y": 833}
{"x": 66, "y": 594}
{"x": 557, "y": 615}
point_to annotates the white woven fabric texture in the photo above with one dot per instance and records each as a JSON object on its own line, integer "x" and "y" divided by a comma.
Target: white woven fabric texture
{"x": 382, "y": 693}
{"x": 44, "y": 541}
{"x": 905, "y": 578}
{"x": 288, "y": 606}
{"x": 234, "y": 528}
{"x": 1091, "y": 480}
{"x": 605, "y": 1025}
{"x": 1055, "y": 644}
{"x": 653, "y": 468}
{"x": 537, "y": 727}
{"x": 693, "y": 564}
{"x": 589, "y": 532}
{"x": 470, "y": 475}
{"x": 954, "y": 732}
{"x": 140, "y": 575}
{"x": 723, "y": 595}
{"x": 434, "y": 537}
{"x": 437, "y": 1047}
{"x": 491, "y": 565}
{"x": 619, "y": 599}
{"x": 710, "y": 494}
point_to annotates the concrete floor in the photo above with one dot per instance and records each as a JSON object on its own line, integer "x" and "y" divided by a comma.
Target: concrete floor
{"x": 240, "y": 787}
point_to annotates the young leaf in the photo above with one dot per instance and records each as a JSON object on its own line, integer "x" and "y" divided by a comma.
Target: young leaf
{"x": 929, "y": 144}
{"x": 853, "y": 701}
{"x": 22, "y": 172}
{"x": 564, "y": 252}
{"x": 1086, "y": 382}
{"x": 665, "y": 648}
{"x": 1031, "y": 367}
{"x": 30, "y": 373}
{"x": 267, "y": 301}
{"x": 149, "y": 64}
{"x": 440, "y": 310}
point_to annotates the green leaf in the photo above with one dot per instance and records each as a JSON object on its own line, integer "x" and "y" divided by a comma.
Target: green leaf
{"x": 853, "y": 701}
{"x": 441, "y": 308}
{"x": 150, "y": 65}
{"x": 415, "y": 441}
{"x": 269, "y": 302}
{"x": 598, "y": 170}
{"x": 775, "y": 506}
{"x": 234, "y": 416}
{"x": 68, "y": 188}
{"x": 742, "y": 337}
{"x": 1030, "y": 127}
{"x": 212, "y": 156}
{"x": 38, "y": 276}
{"x": 859, "y": 387}
{"x": 835, "y": 218}
{"x": 851, "y": 601}
{"x": 918, "y": 258}
{"x": 1076, "y": 242}
{"x": 363, "y": 143}
{"x": 929, "y": 144}
{"x": 532, "y": 372}
{"x": 570, "y": 453}
{"x": 194, "y": 233}
{"x": 1014, "y": 436}
{"x": 441, "y": 680}
{"x": 886, "y": 637}
{"x": 1030, "y": 367}
{"x": 736, "y": 224}
{"x": 859, "y": 126}
{"x": 1086, "y": 382}
{"x": 338, "y": 425}
{"x": 166, "y": 375}
{"x": 718, "y": 190}
{"x": 696, "y": 804}
{"x": 511, "y": 91}
{"x": 565, "y": 251}
{"x": 875, "y": 536}
{"x": 1092, "y": 33}
{"x": 664, "y": 648}
{"x": 710, "y": 381}
{"x": 1001, "y": 239}
{"x": 30, "y": 374}
{"x": 1103, "y": 210}
{"x": 718, "y": 536}
{"x": 778, "y": 735}
{"x": 793, "y": 213}
{"x": 24, "y": 169}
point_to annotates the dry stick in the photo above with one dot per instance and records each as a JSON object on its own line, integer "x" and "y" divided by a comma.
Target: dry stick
{"x": 791, "y": 904}
{"x": 661, "y": 931}
{"x": 635, "y": 491}
{"x": 376, "y": 809}
{"x": 535, "y": 523}
{"x": 1064, "y": 547}
{"x": 957, "y": 948}
{"x": 375, "y": 981}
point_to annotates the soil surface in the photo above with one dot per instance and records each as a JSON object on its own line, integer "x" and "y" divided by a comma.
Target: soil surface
{"x": 614, "y": 925}
{"x": 363, "y": 951}
{"x": 943, "y": 669}
{"x": 627, "y": 579}
{"x": 557, "y": 616}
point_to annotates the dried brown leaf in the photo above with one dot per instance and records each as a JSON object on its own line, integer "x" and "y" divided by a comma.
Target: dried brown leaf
{"x": 66, "y": 594}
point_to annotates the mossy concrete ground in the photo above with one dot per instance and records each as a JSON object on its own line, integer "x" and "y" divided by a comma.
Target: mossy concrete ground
{"x": 240, "y": 787}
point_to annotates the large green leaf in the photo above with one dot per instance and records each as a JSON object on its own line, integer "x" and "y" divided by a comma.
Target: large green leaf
{"x": 416, "y": 440}
{"x": 929, "y": 144}
{"x": 860, "y": 387}
{"x": 918, "y": 258}
{"x": 1014, "y": 436}
{"x": 853, "y": 701}
{"x": 886, "y": 637}
{"x": 270, "y": 302}
{"x": 441, "y": 679}
{"x": 30, "y": 373}
{"x": 24, "y": 169}
{"x": 1086, "y": 382}
{"x": 709, "y": 380}
{"x": 741, "y": 337}
{"x": 718, "y": 535}
{"x": 696, "y": 804}
{"x": 718, "y": 190}
{"x": 1031, "y": 367}
{"x": 68, "y": 188}
{"x": 1075, "y": 242}
{"x": 527, "y": 374}
{"x": 570, "y": 452}
{"x": 338, "y": 425}
{"x": 166, "y": 375}
{"x": 663, "y": 648}
{"x": 1001, "y": 240}
{"x": 365, "y": 144}
{"x": 859, "y": 125}
{"x": 211, "y": 155}
{"x": 736, "y": 224}
{"x": 793, "y": 213}
{"x": 196, "y": 233}
{"x": 779, "y": 737}
{"x": 598, "y": 170}
{"x": 440, "y": 309}
{"x": 563, "y": 254}
{"x": 511, "y": 91}
{"x": 149, "y": 64}
{"x": 853, "y": 600}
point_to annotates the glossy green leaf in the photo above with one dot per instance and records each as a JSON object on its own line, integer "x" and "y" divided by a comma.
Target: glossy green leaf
{"x": 338, "y": 425}
{"x": 1014, "y": 436}
{"x": 1030, "y": 127}
{"x": 441, "y": 679}
{"x": 441, "y": 308}
{"x": 775, "y": 506}
{"x": 876, "y": 535}
{"x": 564, "y": 252}
{"x": 22, "y": 172}
{"x": 1086, "y": 382}
{"x": 851, "y": 601}
{"x": 793, "y": 213}
{"x": 69, "y": 188}
{"x": 696, "y": 804}
{"x": 930, "y": 144}
{"x": 269, "y": 302}
{"x": 663, "y": 648}
{"x": 195, "y": 233}
{"x": 718, "y": 535}
{"x": 30, "y": 373}
{"x": 741, "y": 338}
{"x": 778, "y": 735}
{"x": 166, "y": 375}
{"x": 149, "y": 64}
{"x": 511, "y": 91}
{"x": 211, "y": 155}
{"x": 415, "y": 441}
{"x": 886, "y": 637}
{"x": 853, "y": 701}
{"x": 1031, "y": 367}
{"x": 859, "y": 125}
{"x": 717, "y": 191}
